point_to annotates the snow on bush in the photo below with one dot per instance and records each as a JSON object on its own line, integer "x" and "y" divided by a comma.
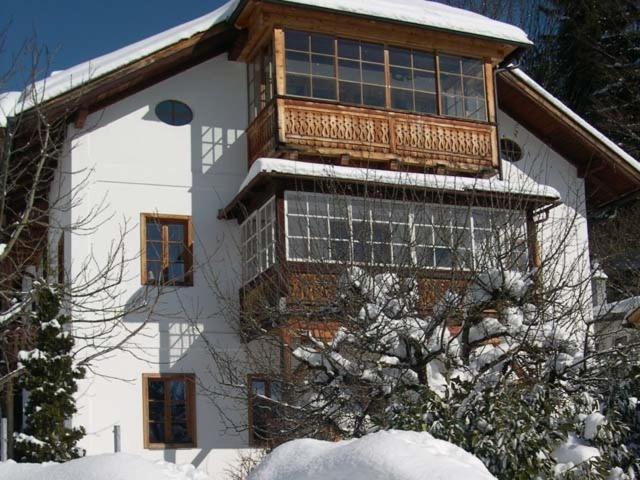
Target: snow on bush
{"x": 118, "y": 466}
{"x": 388, "y": 455}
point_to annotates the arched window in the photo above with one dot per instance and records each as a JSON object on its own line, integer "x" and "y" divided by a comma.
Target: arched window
{"x": 174, "y": 112}
{"x": 510, "y": 149}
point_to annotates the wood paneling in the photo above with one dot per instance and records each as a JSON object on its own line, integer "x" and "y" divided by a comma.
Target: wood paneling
{"x": 363, "y": 133}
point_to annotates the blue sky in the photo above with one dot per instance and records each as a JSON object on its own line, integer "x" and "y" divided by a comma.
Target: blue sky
{"x": 76, "y": 30}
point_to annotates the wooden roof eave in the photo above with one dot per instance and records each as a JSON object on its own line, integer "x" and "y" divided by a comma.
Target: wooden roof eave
{"x": 234, "y": 209}
{"x": 102, "y": 91}
{"x": 567, "y": 133}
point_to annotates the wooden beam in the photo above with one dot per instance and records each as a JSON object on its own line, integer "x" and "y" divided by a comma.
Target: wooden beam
{"x": 81, "y": 117}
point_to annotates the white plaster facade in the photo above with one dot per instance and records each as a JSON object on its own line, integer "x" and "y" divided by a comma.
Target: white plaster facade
{"x": 139, "y": 164}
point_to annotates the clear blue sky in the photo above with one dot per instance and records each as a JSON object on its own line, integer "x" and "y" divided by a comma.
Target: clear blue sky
{"x": 77, "y": 30}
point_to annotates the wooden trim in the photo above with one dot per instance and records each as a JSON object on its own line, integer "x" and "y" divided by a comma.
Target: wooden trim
{"x": 188, "y": 251}
{"x": 190, "y": 402}
{"x": 254, "y": 442}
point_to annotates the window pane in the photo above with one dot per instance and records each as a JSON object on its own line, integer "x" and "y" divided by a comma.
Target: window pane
{"x": 373, "y": 73}
{"x": 350, "y": 93}
{"x": 425, "y": 81}
{"x": 296, "y": 40}
{"x": 401, "y": 255}
{"x": 401, "y": 99}
{"x": 450, "y": 84}
{"x": 361, "y": 231}
{"x": 298, "y": 248}
{"x": 424, "y": 256}
{"x": 154, "y": 251}
{"x": 349, "y": 70}
{"x": 361, "y": 252}
{"x": 452, "y": 106}
{"x": 154, "y": 271}
{"x": 399, "y": 56}
{"x": 180, "y": 433}
{"x": 348, "y": 49}
{"x": 298, "y": 62}
{"x": 400, "y": 233}
{"x": 156, "y": 433}
{"x": 258, "y": 387}
{"x": 381, "y": 232}
{"x": 372, "y": 53}
{"x": 426, "y": 102}
{"x": 472, "y": 67}
{"x": 424, "y": 235}
{"x": 296, "y": 203}
{"x": 176, "y": 253}
{"x": 444, "y": 258}
{"x": 450, "y": 64}
{"x": 323, "y": 65}
{"x": 339, "y": 229}
{"x": 178, "y": 391}
{"x": 425, "y": 61}
{"x": 340, "y": 250}
{"x": 179, "y": 413}
{"x": 297, "y": 226}
{"x": 473, "y": 87}
{"x": 474, "y": 108}
{"x": 324, "y": 88}
{"x": 176, "y": 232}
{"x": 154, "y": 231}
{"x": 401, "y": 77}
{"x": 373, "y": 96}
{"x": 318, "y": 227}
{"x": 381, "y": 253}
{"x": 298, "y": 85}
{"x": 156, "y": 390}
{"x": 156, "y": 411}
{"x": 322, "y": 44}
{"x": 319, "y": 249}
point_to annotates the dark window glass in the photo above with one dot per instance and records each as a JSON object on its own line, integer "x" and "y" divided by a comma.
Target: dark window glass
{"x": 510, "y": 150}
{"x": 173, "y": 112}
{"x": 168, "y": 418}
{"x": 167, "y": 254}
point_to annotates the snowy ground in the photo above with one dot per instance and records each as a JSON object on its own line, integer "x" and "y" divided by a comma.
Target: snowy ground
{"x": 390, "y": 455}
{"x": 117, "y": 466}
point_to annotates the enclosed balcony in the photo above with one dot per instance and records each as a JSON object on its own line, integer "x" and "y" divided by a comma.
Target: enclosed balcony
{"x": 326, "y": 98}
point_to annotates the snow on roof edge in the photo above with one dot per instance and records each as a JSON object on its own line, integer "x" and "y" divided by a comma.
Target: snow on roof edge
{"x": 62, "y": 81}
{"x": 425, "y": 13}
{"x": 423, "y": 180}
{"x": 635, "y": 164}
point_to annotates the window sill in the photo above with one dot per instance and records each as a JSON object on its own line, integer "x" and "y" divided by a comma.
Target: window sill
{"x": 170, "y": 446}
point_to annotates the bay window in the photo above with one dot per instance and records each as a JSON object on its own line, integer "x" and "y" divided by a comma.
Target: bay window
{"x": 326, "y": 228}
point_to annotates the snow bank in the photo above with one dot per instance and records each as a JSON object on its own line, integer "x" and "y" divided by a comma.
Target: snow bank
{"x": 118, "y": 466}
{"x": 573, "y": 452}
{"x": 390, "y": 455}
{"x": 517, "y": 186}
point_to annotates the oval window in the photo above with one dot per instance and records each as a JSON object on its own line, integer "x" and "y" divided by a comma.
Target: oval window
{"x": 173, "y": 112}
{"x": 510, "y": 150}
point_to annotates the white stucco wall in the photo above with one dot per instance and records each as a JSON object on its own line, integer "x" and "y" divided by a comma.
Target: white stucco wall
{"x": 134, "y": 163}
{"x": 138, "y": 164}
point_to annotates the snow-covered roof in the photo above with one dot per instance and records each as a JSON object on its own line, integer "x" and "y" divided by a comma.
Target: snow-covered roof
{"x": 427, "y": 14}
{"x": 606, "y": 141}
{"x": 520, "y": 185}
{"x": 63, "y": 81}
{"x": 419, "y": 12}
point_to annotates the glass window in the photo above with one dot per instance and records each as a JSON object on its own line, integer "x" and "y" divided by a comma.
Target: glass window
{"x": 310, "y": 65}
{"x": 361, "y": 73}
{"x": 462, "y": 87}
{"x": 413, "y": 80}
{"x": 346, "y": 229}
{"x": 257, "y": 234}
{"x": 173, "y": 112}
{"x": 168, "y": 252}
{"x": 260, "y": 81}
{"x": 169, "y": 410}
{"x": 264, "y": 416}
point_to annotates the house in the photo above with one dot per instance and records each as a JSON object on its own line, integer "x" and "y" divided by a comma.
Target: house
{"x": 241, "y": 146}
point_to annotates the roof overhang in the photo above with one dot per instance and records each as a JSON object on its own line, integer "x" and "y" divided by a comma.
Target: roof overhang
{"x": 265, "y": 170}
{"x": 609, "y": 172}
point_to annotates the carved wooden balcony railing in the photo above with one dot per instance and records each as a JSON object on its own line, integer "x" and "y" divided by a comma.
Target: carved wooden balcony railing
{"x": 363, "y": 133}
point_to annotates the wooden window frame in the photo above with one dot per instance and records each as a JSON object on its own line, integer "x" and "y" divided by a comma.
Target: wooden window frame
{"x": 60, "y": 260}
{"x": 281, "y": 75}
{"x": 188, "y": 248}
{"x": 190, "y": 381}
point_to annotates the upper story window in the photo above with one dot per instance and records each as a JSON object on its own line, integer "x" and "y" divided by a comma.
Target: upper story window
{"x": 260, "y": 81}
{"x": 167, "y": 251}
{"x": 257, "y": 234}
{"x": 384, "y": 232}
{"x": 375, "y": 75}
{"x": 174, "y": 112}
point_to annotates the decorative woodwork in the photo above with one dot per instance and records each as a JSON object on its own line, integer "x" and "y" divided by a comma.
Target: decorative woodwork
{"x": 364, "y": 133}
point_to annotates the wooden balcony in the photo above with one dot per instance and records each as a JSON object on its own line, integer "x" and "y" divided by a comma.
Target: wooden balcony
{"x": 418, "y": 141}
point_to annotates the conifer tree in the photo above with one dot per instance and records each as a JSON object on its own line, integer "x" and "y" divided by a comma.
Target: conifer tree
{"x": 50, "y": 380}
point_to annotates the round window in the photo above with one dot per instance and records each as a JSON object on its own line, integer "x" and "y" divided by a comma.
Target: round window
{"x": 173, "y": 112}
{"x": 510, "y": 150}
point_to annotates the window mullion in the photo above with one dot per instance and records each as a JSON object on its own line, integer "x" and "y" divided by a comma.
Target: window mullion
{"x": 438, "y": 86}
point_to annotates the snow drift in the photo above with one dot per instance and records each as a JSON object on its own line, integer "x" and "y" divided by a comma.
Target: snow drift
{"x": 117, "y": 466}
{"x": 389, "y": 455}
